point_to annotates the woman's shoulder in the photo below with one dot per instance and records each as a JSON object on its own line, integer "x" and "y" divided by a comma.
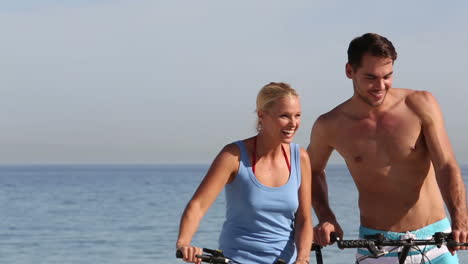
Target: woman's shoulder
{"x": 227, "y": 160}
{"x": 246, "y": 143}
{"x": 231, "y": 149}
{"x": 234, "y": 149}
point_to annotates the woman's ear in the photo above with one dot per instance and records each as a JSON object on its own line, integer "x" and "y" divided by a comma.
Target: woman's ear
{"x": 260, "y": 114}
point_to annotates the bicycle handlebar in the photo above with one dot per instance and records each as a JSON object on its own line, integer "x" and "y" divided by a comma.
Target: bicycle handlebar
{"x": 374, "y": 243}
{"x": 217, "y": 257}
{"x": 437, "y": 239}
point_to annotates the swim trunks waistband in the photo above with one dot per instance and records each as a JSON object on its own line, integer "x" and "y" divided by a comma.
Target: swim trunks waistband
{"x": 432, "y": 253}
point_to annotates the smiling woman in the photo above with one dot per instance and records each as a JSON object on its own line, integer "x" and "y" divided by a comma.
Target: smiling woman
{"x": 270, "y": 93}
{"x": 267, "y": 182}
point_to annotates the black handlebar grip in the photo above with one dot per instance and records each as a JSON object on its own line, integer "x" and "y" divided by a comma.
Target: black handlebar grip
{"x": 333, "y": 237}
{"x": 353, "y": 243}
{"x": 179, "y": 254}
{"x": 452, "y": 243}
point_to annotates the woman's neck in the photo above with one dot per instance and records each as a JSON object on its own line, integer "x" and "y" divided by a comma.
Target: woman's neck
{"x": 267, "y": 146}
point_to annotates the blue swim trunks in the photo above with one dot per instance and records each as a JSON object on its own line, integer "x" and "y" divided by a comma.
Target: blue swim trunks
{"x": 432, "y": 254}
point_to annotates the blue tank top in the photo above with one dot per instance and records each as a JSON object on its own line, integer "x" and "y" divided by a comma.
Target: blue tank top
{"x": 259, "y": 225}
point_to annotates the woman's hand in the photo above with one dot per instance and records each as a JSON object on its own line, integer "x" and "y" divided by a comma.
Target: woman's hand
{"x": 189, "y": 253}
{"x": 302, "y": 261}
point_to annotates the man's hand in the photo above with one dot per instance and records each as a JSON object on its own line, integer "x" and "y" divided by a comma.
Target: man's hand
{"x": 322, "y": 232}
{"x": 460, "y": 235}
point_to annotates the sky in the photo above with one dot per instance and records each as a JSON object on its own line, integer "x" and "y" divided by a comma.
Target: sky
{"x": 113, "y": 81}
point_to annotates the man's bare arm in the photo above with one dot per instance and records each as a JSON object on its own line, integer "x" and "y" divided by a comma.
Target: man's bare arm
{"x": 447, "y": 171}
{"x": 319, "y": 152}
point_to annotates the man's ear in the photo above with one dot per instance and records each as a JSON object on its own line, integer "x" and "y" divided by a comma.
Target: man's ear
{"x": 349, "y": 71}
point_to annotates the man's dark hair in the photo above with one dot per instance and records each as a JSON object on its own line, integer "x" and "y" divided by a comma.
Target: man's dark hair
{"x": 372, "y": 44}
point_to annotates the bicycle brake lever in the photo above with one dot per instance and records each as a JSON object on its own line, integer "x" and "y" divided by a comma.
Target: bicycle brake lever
{"x": 215, "y": 252}
{"x": 375, "y": 251}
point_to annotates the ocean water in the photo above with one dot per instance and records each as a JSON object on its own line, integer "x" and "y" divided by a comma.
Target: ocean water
{"x": 124, "y": 214}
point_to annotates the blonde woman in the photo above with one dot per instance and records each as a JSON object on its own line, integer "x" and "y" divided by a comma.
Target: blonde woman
{"x": 267, "y": 182}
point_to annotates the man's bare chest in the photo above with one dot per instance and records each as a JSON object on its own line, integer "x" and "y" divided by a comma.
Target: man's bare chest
{"x": 380, "y": 141}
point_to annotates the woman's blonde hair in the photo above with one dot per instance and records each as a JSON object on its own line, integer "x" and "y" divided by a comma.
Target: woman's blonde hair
{"x": 269, "y": 94}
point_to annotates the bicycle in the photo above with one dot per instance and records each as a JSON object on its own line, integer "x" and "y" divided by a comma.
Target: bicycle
{"x": 318, "y": 253}
{"x": 216, "y": 256}
{"x": 375, "y": 243}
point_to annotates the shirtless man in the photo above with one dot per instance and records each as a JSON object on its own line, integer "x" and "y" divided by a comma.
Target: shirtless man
{"x": 398, "y": 153}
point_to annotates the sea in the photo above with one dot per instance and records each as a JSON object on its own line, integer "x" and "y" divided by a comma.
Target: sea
{"x": 128, "y": 214}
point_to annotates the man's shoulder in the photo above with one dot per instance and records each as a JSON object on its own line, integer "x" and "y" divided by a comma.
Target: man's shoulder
{"x": 418, "y": 95}
{"x": 327, "y": 123}
{"x": 421, "y": 102}
{"x": 419, "y": 99}
{"x": 333, "y": 114}
{"x": 411, "y": 94}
